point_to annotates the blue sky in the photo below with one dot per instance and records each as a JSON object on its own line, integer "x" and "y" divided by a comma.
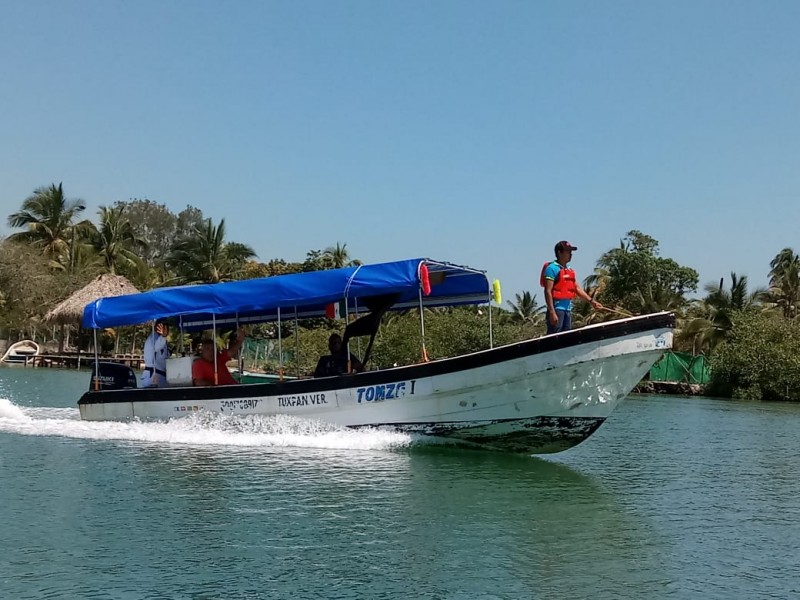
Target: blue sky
{"x": 475, "y": 132}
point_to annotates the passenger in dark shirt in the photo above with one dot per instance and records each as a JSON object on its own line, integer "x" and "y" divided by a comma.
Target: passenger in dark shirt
{"x": 335, "y": 363}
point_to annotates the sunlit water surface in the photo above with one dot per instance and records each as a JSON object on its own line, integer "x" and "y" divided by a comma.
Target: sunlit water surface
{"x": 671, "y": 498}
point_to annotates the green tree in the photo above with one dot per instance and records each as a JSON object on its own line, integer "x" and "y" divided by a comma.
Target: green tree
{"x": 49, "y": 221}
{"x": 634, "y": 277}
{"x": 448, "y": 332}
{"x": 759, "y": 359}
{"x": 158, "y": 227}
{"x": 80, "y": 256}
{"x": 784, "y": 282}
{"x": 336, "y": 257}
{"x": 29, "y": 287}
{"x": 315, "y": 261}
{"x": 709, "y": 319}
{"x": 525, "y": 308}
{"x": 144, "y": 277}
{"x": 115, "y": 241}
{"x": 152, "y": 223}
{"x": 189, "y": 218}
{"x": 276, "y": 266}
{"x": 205, "y": 256}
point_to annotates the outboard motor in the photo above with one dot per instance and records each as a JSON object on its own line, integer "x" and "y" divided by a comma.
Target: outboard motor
{"x": 112, "y": 376}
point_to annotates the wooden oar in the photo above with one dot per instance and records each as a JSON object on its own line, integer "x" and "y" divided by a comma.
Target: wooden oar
{"x": 624, "y": 313}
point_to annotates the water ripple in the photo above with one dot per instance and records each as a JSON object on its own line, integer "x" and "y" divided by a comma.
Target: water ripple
{"x": 672, "y": 498}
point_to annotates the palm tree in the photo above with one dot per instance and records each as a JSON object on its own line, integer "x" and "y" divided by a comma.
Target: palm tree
{"x": 784, "y": 260}
{"x": 610, "y": 267}
{"x": 80, "y": 256}
{"x": 144, "y": 277}
{"x": 595, "y": 284}
{"x": 115, "y": 240}
{"x": 525, "y": 308}
{"x": 736, "y": 298}
{"x": 712, "y": 316}
{"x": 784, "y": 282}
{"x": 336, "y": 257}
{"x": 205, "y": 256}
{"x": 48, "y": 217}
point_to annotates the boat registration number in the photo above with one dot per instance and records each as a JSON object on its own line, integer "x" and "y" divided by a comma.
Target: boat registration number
{"x": 240, "y": 404}
{"x": 385, "y": 391}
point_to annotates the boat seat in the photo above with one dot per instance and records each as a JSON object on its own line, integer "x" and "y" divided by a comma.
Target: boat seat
{"x": 179, "y": 371}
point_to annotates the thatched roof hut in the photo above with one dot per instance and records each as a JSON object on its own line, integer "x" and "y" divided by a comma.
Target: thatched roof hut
{"x": 70, "y": 311}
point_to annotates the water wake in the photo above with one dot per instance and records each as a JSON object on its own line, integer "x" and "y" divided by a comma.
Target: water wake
{"x": 9, "y": 410}
{"x": 200, "y": 429}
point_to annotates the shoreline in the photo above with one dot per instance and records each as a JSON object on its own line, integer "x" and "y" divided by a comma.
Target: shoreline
{"x": 678, "y": 388}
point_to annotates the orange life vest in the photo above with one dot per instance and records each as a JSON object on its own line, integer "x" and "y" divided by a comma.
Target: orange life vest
{"x": 564, "y": 286}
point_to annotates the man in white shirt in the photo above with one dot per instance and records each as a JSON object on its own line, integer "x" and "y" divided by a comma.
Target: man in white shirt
{"x": 156, "y": 352}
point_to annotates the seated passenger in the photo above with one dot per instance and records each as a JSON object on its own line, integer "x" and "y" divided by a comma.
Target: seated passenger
{"x": 203, "y": 367}
{"x": 335, "y": 363}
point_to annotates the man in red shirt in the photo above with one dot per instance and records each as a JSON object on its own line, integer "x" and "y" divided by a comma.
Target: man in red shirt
{"x": 203, "y": 367}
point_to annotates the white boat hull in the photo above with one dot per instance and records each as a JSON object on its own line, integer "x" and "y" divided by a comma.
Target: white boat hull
{"x": 524, "y": 397}
{"x": 20, "y": 352}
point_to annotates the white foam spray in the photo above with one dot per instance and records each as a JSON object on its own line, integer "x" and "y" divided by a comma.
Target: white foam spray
{"x": 200, "y": 429}
{"x": 11, "y": 411}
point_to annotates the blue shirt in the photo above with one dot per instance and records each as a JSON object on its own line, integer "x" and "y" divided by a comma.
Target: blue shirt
{"x": 551, "y": 272}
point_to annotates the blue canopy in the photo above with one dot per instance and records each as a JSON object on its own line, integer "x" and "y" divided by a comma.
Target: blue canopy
{"x": 303, "y": 295}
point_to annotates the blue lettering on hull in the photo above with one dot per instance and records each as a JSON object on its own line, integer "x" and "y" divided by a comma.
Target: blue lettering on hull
{"x": 385, "y": 391}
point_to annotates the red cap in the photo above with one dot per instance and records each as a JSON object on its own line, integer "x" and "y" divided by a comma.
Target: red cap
{"x": 564, "y": 245}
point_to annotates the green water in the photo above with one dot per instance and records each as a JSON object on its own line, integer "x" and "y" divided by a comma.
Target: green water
{"x": 672, "y": 498}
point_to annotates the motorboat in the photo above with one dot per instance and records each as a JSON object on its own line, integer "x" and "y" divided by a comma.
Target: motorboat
{"x": 20, "y": 352}
{"x": 540, "y": 395}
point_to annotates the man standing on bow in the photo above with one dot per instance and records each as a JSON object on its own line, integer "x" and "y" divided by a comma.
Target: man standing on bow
{"x": 155, "y": 355}
{"x": 560, "y": 288}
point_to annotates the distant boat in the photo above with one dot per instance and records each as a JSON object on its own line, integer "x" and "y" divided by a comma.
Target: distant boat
{"x": 18, "y": 352}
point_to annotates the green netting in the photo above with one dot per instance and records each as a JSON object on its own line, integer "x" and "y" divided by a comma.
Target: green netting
{"x": 681, "y": 367}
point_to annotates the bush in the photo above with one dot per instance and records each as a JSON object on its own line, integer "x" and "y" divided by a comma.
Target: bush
{"x": 759, "y": 360}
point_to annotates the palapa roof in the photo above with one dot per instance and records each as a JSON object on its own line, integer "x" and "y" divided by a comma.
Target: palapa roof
{"x": 70, "y": 311}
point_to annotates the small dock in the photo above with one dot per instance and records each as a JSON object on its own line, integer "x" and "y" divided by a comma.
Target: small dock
{"x": 73, "y": 360}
